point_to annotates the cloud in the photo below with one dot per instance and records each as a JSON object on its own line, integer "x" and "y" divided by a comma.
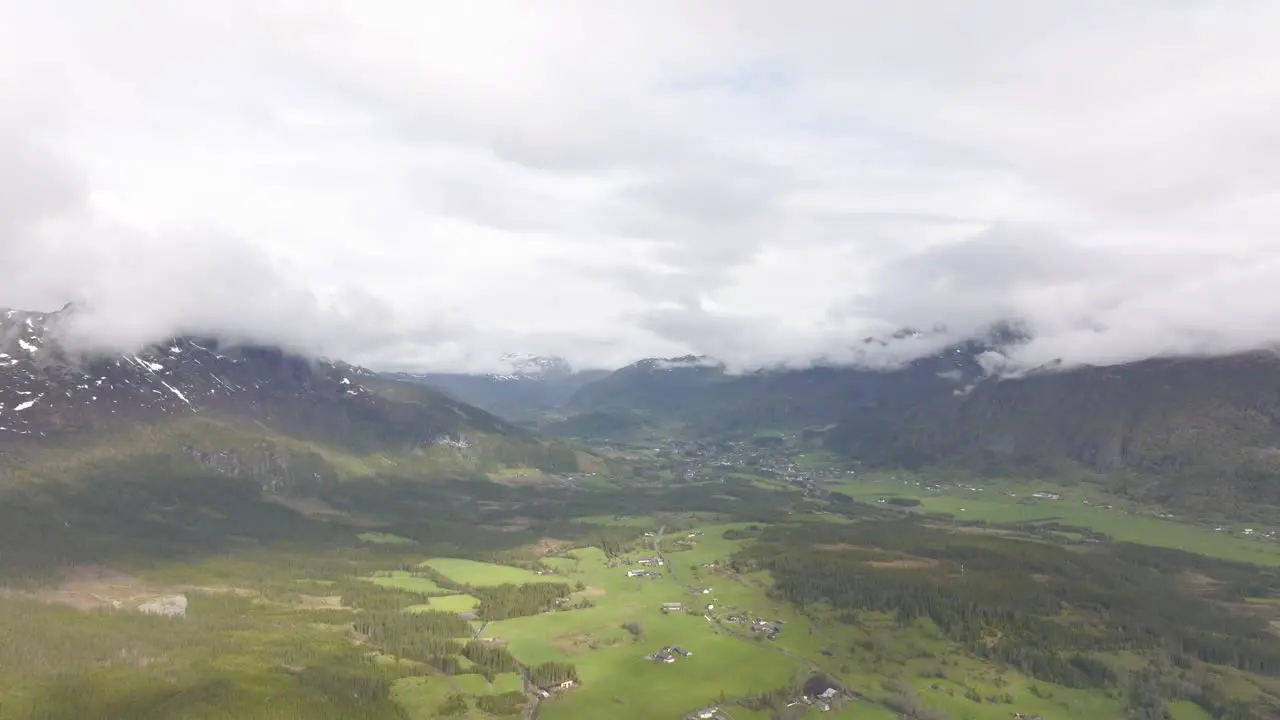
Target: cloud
{"x": 422, "y": 187}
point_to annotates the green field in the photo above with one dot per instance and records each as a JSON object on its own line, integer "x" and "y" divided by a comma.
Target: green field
{"x": 641, "y": 521}
{"x": 474, "y": 684}
{"x": 614, "y": 674}
{"x": 421, "y": 697}
{"x": 997, "y": 503}
{"x": 480, "y": 574}
{"x": 447, "y": 603}
{"x": 401, "y": 580}
{"x": 610, "y": 660}
{"x": 379, "y": 538}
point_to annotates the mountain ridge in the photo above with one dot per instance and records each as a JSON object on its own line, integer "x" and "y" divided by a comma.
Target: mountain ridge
{"x": 534, "y": 386}
{"x": 1178, "y": 427}
{"x": 51, "y": 396}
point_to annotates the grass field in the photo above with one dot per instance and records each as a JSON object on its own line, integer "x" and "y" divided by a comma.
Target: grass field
{"x": 904, "y": 653}
{"x": 474, "y": 684}
{"x": 480, "y": 574}
{"x": 725, "y": 665}
{"x": 402, "y": 580}
{"x": 380, "y": 538}
{"x": 424, "y": 697}
{"x": 999, "y": 503}
{"x": 610, "y": 660}
{"x": 447, "y": 603}
{"x": 619, "y": 521}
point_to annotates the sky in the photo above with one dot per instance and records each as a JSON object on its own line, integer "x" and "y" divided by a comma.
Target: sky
{"x": 429, "y": 185}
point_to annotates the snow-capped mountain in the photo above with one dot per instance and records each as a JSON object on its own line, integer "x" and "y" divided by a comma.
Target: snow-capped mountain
{"x": 47, "y": 390}
{"x": 532, "y": 367}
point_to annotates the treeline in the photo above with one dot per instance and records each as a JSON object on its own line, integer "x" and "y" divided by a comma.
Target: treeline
{"x": 491, "y": 656}
{"x": 508, "y": 703}
{"x": 552, "y": 673}
{"x": 370, "y": 596}
{"x": 1005, "y": 599}
{"x": 427, "y": 637}
{"x": 501, "y": 602}
{"x": 615, "y": 541}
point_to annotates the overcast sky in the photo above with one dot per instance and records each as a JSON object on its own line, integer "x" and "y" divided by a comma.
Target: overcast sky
{"x": 427, "y": 185}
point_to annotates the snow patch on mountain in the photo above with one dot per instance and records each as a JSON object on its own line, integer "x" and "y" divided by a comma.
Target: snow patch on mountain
{"x": 681, "y": 363}
{"x": 44, "y": 388}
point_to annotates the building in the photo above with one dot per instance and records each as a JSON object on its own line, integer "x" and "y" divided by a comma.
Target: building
{"x": 672, "y": 607}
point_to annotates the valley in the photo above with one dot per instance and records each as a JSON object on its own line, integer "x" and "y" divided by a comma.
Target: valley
{"x": 704, "y": 578}
{"x": 233, "y": 532}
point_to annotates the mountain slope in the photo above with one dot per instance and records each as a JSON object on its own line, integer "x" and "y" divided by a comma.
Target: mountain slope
{"x": 1169, "y": 429}
{"x": 51, "y": 399}
{"x": 533, "y": 387}
{"x": 696, "y": 395}
{"x": 1204, "y": 419}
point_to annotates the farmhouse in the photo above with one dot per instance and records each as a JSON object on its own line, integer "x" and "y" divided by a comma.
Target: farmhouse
{"x": 650, "y": 561}
{"x": 1046, "y": 496}
{"x": 668, "y": 654}
{"x": 770, "y": 629}
{"x": 821, "y": 689}
{"x": 672, "y": 607}
{"x": 643, "y": 573}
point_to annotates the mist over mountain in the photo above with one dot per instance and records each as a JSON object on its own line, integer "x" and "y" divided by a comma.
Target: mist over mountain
{"x": 212, "y": 398}
{"x": 528, "y": 388}
{"x": 267, "y": 186}
{"x": 1177, "y": 430}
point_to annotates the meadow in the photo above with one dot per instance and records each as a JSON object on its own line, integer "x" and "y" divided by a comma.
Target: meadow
{"x": 729, "y": 664}
{"x": 404, "y": 580}
{"x": 610, "y": 658}
{"x": 1008, "y": 502}
{"x": 481, "y": 574}
{"x": 447, "y": 603}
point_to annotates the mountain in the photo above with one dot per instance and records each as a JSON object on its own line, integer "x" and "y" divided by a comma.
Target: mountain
{"x": 1209, "y": 426}
{"x": 239, "y": 406}
{"x": 697, "y": 395}
{"x": 1169, "y": 429}
{"x": 533, "y": 387}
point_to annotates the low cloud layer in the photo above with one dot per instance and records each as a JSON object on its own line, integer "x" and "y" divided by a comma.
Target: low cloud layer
{"x": 416, "y": 187}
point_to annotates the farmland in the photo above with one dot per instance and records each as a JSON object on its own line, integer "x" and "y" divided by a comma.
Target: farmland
{"x": 779, "y": 581}
{"x": 403, "y": 580}
{"x": 1005, "y": 502}
{"x": 447, "y": 603}
{"x": 480, "y": 574}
